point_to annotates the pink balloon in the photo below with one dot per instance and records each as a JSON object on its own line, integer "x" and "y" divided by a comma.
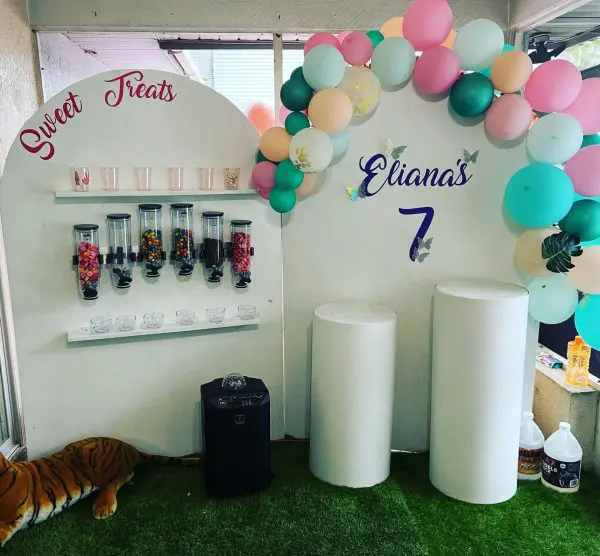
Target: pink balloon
{"x": 342, "y": 36}
{"x": 263, "y": 175}
{"x": 357, "y": 48}
{"x": 584, "y": 171}
{"x": 264, "y": 193}
{"x": 427, "y": 23}
{"x": 436, "y": 70}
{"x": 553, "y": 86}
{"x": 508, "y": 118}
{"x": 319, "y": 39}
{"x": 586, "y": 108}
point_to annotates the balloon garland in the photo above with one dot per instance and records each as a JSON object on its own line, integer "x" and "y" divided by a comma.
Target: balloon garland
{"x": 341, "y": 80}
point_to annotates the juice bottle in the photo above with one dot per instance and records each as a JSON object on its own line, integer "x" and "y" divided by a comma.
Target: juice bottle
{"x": 561, "y": 468}
{"x": 578, "y": 362}
{"x": 531, "y": 449}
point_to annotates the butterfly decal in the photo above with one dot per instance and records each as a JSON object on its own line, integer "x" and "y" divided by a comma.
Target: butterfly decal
{"x": 394, "y": 151}
{"x": 421, "y": 251}
{"x": 357, "y": 193}
{"x": 468, "y": 157}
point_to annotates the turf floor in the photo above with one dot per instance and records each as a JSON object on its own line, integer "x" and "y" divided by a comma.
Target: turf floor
{"x": 167, "y": 512}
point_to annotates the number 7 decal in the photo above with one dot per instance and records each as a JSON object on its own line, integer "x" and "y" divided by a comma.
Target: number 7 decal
{"x": 417, "y": 243}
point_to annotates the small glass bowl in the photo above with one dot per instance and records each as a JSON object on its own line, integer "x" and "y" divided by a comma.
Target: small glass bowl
{"x": 215, "y": 315}
{"x": 125, "y": 322}
{"x": 153, "y": 320}
{"x": 185, "y": 317}
{"x": 247, "y": 312}
{"x": 101, "y": 325}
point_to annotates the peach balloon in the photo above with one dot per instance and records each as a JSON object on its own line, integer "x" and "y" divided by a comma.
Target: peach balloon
{"x": 586, "y": 274}
{"x": 449, "y": 40}
{"x": 330, "y": 110}
{"x": 261, "y": 116}
{"x": 508, "y": 118}
{"x": 528, "y": 251}
{"x": 392, "y": 27}
{"x": 307, "y": 186}
{"x": 511, "y": 71}
{"x": 275, "y": 144}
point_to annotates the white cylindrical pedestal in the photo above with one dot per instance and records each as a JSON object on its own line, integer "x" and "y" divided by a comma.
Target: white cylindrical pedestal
{"x": 352, "y": 393}
{"x": 479, "y": 334}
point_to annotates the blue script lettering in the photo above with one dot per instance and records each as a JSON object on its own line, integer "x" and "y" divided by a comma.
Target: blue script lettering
{"x": 400, "y": 173}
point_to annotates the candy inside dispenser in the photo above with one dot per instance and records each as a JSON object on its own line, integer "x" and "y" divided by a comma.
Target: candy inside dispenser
{"x": 120, "y": 254}
{"x": 182, "y": 235}
{"x": 87, "y": 260}
{"x": 213, "y": 252}
{"x": 151, "y": 248}
{"x": 241, "y": 252}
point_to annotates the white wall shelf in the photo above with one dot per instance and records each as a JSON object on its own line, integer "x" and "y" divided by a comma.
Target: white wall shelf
{"x": 122, "y": 195}
{"x": 86, "y": 335}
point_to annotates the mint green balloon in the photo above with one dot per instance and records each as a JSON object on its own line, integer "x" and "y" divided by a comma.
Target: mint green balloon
{"x": 393, "y": 61}
{"x": 340, "y": 142}
{"x": 287, "y": 176}
{"x": 324, "y": 67}
{"x": 282, "y": 200}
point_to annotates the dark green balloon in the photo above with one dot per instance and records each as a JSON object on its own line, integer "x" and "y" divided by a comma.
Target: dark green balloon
{"x": 296, "y": 121}
{"x": 589, "y": 140}
{"x": 282, "y": 200}
{"x": 472, "y": 95}
{"x": 260, "y": 157}
{"x": 287, "y": 176}
{"x": 375, "y": 36}
{"x": 583, "y": 220}
{"x": 296, "y": 94}
{"x": 297, "y": 74}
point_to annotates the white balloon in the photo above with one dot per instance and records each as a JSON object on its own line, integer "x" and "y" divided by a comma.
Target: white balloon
{"x": 363, "y": 88}
{"x": 393, "y": 61}
{"x": 555, "y": 138}
{"x": 311, "y": 150}
{"x": 552, "y": 299}
{"x": 478, "y": 44}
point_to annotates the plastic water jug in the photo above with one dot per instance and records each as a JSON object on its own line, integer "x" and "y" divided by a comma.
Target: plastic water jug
{"x": 561, "y": 468}
{"x": 531, "y": 449}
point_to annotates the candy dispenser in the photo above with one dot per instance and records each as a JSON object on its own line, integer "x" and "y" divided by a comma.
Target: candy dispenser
{"x": 213, "y": 253}
{"x": 87, "y": 260}
{"x": 182, "y": 235}
{"x": 120, "y": 255}
{"x": 151, "y": 251}
{"x": 240, "y": 252}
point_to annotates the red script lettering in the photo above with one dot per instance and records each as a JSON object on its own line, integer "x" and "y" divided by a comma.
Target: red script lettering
{"x": 132, "y": 84}
{"x": 33, "y": 140}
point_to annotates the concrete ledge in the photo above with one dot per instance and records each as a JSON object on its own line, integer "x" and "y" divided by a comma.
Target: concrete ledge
{"x": 555, "y": 401}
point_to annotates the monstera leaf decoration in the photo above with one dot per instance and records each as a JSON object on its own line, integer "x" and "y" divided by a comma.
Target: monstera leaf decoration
{"x": 557, "y": 251}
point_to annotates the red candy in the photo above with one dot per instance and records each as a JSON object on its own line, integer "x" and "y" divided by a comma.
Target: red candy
{"x": 240, "y": 244}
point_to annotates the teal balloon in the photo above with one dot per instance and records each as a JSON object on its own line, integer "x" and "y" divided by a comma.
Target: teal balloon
{"x": 260, "y": 157}
{"x": 552, "y": 299}
{"x": 583, "y": 220}
{"x": 488, "y": 71}
{"x": 295, "y": 94}
{"x": 296, "y": 121}
{"x": 538, "y": 195}
{"x": 323, "y": 68}
{"x": 297, "y": 74}
{"x": 287, "y": 176}
{"x": 589, "y": 140}
{"x": 375, "y": 36}
{"x": 587, "y": 317}
{"x": 472, "y": 95}
{"x": 282, "y": 200}
{"x": 340, "y": 142}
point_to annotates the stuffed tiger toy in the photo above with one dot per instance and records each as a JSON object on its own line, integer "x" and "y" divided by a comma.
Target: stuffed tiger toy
{"x": 33, "y": 491}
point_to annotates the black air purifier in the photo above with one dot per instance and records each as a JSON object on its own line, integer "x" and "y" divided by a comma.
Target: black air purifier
{"x": 236, "y": 428}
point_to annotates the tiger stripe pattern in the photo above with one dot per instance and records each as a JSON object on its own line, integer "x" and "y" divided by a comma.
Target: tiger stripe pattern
{"x": 33, "y": 491}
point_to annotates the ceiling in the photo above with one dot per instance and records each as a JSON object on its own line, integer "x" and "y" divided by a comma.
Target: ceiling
{"x": 577, "y": 21}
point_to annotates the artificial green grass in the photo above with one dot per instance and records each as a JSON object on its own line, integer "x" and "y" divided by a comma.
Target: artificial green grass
{"x": 167, "y": 512}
